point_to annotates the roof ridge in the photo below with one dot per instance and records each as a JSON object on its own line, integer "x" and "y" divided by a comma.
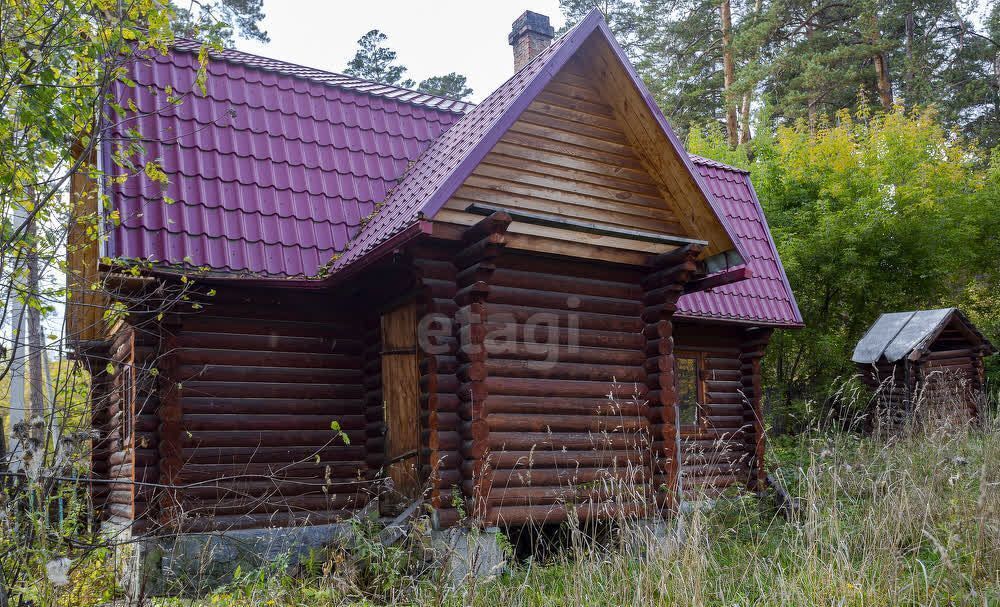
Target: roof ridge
{"x": 695, "y": 158}
{"x": 326, "y": 77}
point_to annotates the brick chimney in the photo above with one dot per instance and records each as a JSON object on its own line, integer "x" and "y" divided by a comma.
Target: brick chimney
{"x": 530, "y": 34}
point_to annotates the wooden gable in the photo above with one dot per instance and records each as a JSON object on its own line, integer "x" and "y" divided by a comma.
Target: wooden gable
{"x": 591, "y": 181}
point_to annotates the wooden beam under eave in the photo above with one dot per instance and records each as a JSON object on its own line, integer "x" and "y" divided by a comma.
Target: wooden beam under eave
{"x": 85, "y": 306}
{"x": 450, "y": 225}
{"x": 661, "y": 160}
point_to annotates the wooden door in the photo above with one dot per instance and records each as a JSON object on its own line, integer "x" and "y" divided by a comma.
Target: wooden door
{"x": 401, "y": 396}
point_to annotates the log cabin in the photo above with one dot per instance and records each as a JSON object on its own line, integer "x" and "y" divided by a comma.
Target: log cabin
{"x": 528, "y": 309}
{"x": 920, "y": 364}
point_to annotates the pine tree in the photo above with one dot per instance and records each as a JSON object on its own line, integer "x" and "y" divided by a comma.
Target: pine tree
{"x": 452, "y": 86}
{"x": 218, "y": 22}
{"x": 376, "y": 62}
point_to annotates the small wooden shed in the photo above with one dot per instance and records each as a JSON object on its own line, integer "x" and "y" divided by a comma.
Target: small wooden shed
{"x": 930, "y": 360}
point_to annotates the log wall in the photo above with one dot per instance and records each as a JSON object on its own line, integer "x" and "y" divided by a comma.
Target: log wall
{"x": 100, "y": 396}
{"x": 724, "y": 450}
{"x": 546, "y": 391}
{"x": 260, "y": 378}
{"x": 124, "y": 400}
{"x": 85, "y": 305}
{"x": 568, "y": 422}
{"x": 538, "y": 405}
{"x": 441, "y": 443}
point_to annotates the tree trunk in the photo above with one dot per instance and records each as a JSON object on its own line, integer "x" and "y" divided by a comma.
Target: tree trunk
{"x": 812, "y": 97}
{"x": 910, "y": 68}
{"x": 745, "y": 106}
{"x": 36, "y": 375}
{"x": 883, "y": 83}
{"x": 745, "y": 119}
{"x": 728, "y": 72}
{"x": 14, "y": 455}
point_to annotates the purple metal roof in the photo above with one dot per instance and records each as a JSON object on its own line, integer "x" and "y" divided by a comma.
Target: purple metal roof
{"x": 273, "y": 169}
{"x": 277, "y": 168}
{"x": 766, "y": 297}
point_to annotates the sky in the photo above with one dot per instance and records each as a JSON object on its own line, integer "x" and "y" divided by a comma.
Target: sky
{"x": 431, "y": 38}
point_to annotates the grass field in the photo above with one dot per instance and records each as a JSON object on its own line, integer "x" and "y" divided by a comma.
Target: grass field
{"x": 914, "y": 520}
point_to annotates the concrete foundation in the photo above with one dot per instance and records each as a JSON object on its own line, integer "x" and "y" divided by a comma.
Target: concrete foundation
{"x": 191, "y": 563}
{"x": 659, "y": 538}
{"x": 465, "y": 553}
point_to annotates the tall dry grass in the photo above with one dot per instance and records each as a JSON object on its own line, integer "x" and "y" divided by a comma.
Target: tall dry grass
{"x": 912, "y": 519}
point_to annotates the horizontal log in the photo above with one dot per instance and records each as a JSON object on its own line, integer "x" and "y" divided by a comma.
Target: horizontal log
{"x": 579, "y": 441}
{"x": 268, "y": 358}
{"x": 584, "y": 320}
{"x": 578, "y": 302}
{"x": 701, "y": 483}
{"x": 207, "y": 323}
{"x": 277, "y": 503}
{"x": 224, "y": 373}
{"x": 268, "y": 390}
{"x": 306, "y": 344}
{"x": 496, "y": 403}
{"x": 563, "y": 336}
{"x": 538, "y": 422}
{"x": 554, "y": 283}
{"x": 541, "y": 348}
{"x": 270, "y": 438}
{"x": 255, "y": 487}
{"x": 120, "y": 511}
{"x": 253, "y": 406}
{"x": 594, "y": 458}
{"x": 271, "y": 455}
{"x": 335, "y": 469}
{"x": 563, "y": 370}
{"x": 271, "y": 422}
{"x": 714, "y": 457}
{"x": 956, "y": 353}
{"x": 569, "y": 476}
{"x": 440, "y": 269}
{"x": 516, "y": 386}
{"x": 714, "y": 469}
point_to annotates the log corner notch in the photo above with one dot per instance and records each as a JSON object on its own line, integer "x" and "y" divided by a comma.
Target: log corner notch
{"x": 474, "y": 265}
{"x": 751, "y": 352}
{"x": 662, "y": 287}
{"x": 170, "y": 415}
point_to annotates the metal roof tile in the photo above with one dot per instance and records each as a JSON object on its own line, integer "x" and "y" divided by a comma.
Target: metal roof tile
{"x": 277, "y": 189}
{"x": 766, "y": 297}
{"x": 276, "y": 165}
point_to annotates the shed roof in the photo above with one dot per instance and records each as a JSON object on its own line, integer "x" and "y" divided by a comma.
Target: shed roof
{"x": 275, "y": 169}
{"x": 896, "y": 334}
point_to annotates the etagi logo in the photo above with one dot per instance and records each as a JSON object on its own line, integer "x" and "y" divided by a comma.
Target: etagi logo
{"x": 543, "y": 336}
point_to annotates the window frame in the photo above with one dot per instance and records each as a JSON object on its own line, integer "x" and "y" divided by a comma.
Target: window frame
{"x": 700, "y": 421}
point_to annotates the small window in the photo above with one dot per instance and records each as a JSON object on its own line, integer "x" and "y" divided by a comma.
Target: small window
{"x": 688, "y": 378}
